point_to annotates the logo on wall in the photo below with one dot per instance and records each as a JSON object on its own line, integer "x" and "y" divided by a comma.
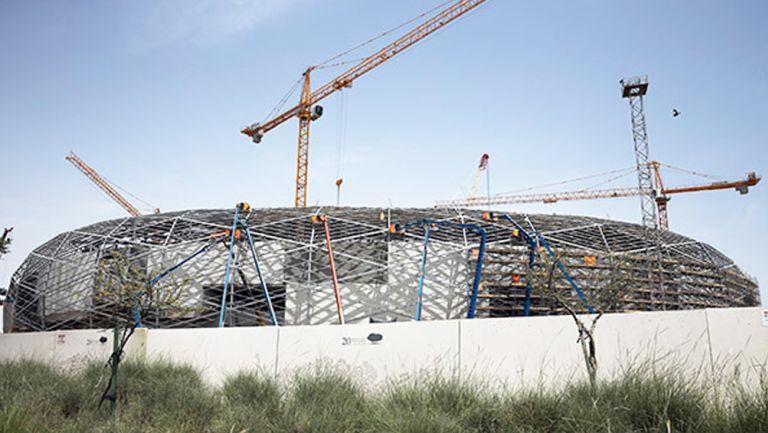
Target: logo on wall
{"x": 373, "y": 339}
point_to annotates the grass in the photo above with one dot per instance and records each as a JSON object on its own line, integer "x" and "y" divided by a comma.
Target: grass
{"x": 162, "y": 397}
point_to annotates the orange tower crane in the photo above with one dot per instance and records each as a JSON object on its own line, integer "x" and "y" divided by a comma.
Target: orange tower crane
{"x": 103, "y": 184}
{"x": 307, "y": 111}
{"x": 660, "y": 192}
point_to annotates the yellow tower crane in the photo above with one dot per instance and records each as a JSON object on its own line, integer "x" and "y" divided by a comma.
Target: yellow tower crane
{"x": 307, "y": 110}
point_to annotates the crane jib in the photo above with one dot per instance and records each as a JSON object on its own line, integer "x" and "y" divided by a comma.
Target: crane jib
{"x": 307, "y": 110}
{"x": 345, "y": 79}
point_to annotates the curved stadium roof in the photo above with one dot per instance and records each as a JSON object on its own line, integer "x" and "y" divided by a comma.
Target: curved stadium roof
{"x": 53, "y": 288}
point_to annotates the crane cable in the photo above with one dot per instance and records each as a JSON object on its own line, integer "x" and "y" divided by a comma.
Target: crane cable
{"x": 695, "y": 173}
{"x": 609, "y": 180}
{"x": 622, "y": 171}
{"x": 341, "y": 63}
{"x": 466, "y": 189}
{"x": 279, "y": 106}
{"x": 325, "y": 64}
{"x": 152, "y": 207}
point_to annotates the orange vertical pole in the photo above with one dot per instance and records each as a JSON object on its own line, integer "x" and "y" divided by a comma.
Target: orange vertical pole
{"x": 336, "y": 292}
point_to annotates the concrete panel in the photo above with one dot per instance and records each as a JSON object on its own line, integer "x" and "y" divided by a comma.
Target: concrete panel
{"x": 72, "y": 349}
{"x": 671, "y": 338}
{"x": 37, "y": 346}
{"x": 67, "y": 350}
{"x": 545, "y": 350}
{"x": 404, "y": 349}
{"x": 216, "y": 352}
{"x": 521, "y": 351}
{"x": 77, "y": 348}
{"x": 739, "y": 341}
{"x": 505, "y": 351}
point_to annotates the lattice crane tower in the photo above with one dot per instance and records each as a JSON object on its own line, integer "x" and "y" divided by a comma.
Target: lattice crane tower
{"x": 634, "y": 89}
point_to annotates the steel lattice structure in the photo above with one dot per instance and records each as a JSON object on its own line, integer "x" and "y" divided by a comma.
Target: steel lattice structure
{"x": 379, "y": 270}
{"x": 634, "y": 89}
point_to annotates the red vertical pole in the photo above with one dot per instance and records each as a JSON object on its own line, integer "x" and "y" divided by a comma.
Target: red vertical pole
{"x": 339, "y": 308}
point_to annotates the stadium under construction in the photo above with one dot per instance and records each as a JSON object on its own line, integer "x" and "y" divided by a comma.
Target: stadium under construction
{"x": 292, "y": 266}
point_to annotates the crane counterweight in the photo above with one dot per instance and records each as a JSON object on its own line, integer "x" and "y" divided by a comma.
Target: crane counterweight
{"x": 254, "y": 131}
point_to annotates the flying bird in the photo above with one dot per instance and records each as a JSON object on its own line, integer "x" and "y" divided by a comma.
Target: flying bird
{"x": 675, "y": 113}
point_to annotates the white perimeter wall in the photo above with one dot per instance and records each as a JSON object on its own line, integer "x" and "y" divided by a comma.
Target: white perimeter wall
{"x": 506, "y": 351}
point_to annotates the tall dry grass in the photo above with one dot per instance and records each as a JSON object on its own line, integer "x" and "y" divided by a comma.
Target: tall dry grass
{"x": 163, "y": 397}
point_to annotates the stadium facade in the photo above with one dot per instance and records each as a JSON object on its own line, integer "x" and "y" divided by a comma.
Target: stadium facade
{"x": 471, "y": 265}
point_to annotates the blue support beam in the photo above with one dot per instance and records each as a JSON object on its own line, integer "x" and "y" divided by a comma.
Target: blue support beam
{"x": 472, "y": 310}
{"x": 423, "y": 274}
{"x": 264, "y": 287}
{"x": 160, "y": 276}
{"x": 567, "y": 275}
{"x": 534, "y": 240}
{"x": 228, "y": 269}
{"x": 478, "y": 272}
{"x": 528, "y": 288}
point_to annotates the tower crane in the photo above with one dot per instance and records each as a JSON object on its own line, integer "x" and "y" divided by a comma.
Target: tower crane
{"x": 104, "y": 185}
{"x": 654, "y": 195}
{"x": 634, "y": 89}
{"x": 481, "y": 167}
{"x": 307, "y": 109}
{"x": 658, "y": 191}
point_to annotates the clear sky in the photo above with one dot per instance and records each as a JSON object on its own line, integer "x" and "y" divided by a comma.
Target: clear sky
{"x": 152, "y": 93}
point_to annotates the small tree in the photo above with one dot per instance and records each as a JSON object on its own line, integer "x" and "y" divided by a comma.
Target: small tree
{"x": 125, "y": 286}
{"x": 542, "y": 278}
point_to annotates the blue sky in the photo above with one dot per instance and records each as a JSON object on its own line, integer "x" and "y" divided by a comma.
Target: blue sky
{"x": 153, "y": 94}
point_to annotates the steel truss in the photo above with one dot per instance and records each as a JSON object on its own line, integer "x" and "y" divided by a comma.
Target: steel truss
{"x": 380, "y": 273}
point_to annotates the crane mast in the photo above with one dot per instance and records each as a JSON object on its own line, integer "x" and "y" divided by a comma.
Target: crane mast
{"x": 654, "y": 195}
{"x": 306, "y": 110}
{"x": 103, "y": 184}
{"x": 634, "y": 89}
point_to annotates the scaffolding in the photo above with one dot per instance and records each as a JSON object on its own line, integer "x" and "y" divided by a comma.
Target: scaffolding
{"x": 378, "y": 265}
